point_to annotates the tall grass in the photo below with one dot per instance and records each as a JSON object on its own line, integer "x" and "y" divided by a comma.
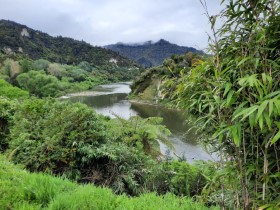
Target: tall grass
{"x": 22, "y": 190}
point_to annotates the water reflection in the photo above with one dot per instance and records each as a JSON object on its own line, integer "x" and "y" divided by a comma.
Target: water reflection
{"x": 114, "y": 101}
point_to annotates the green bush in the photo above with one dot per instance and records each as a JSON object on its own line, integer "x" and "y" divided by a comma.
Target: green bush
{"x": 47, "y": 134}
{"x": 7, "y": 90}
{"x": 39, "y": 84}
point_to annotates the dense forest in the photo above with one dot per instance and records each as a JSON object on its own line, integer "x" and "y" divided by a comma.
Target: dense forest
{"x": 53, "y": 151}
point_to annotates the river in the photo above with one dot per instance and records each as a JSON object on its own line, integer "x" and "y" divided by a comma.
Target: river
{"x": 111, "y": 99}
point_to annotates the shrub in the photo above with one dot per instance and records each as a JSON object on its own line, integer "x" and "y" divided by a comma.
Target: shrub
{"x": 8, "y": 91}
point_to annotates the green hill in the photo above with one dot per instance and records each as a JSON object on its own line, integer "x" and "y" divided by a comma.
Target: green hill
{"x": 20, "y": 39}
{"x": 150, "y": 54}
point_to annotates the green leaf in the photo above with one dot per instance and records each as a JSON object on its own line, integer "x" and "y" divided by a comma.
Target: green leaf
{"x": 270, "y": 107}
{"x": 236, "y": 133}
{"x": 229, "y": 97}
{"x": 277, "y": 124}
{"x": 252, "y": 120}
{"x": 246, "y": 112}
{"x": 267, "y": 120}
{"x": 277, "y": 105}
{"x": 272, "y": 94}
{"x": 243, "y": 61}
{"x": 261, "y": 109}
{"x": 257, "y": 63}
{"x": 227, "y": 88}
{"x": 261, "y": 122}
{"x": 275, "y": 138}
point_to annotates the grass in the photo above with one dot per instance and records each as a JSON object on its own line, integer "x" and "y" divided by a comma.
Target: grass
{"x": 21, "y": 190}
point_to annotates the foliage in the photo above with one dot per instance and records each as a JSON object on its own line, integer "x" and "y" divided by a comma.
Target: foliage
{"x": 8, "y": 91}
{"x": 159, "y": 84}
{"x": 43, "y": 78}
{"x": 7, "y": 109}
{"x": 23, "y": 190}
{"x": 39, "y": 84}
{"x": 178, "y": 177}
{"x": 47, "y": 135}
{"x": 235, "y": 95}
{"x": 141, "y": 133}
{"x": 71, "y": 140}
{"x": 40, "y": 64}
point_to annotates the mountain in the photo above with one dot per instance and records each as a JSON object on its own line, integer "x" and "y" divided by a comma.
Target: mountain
{"x": 150, "y": 53}
{"x": 20, "y": 39}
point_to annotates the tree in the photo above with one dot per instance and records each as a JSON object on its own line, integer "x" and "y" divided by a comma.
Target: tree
{"x": 41, "y": 64}
{"x": 39, "y": 84}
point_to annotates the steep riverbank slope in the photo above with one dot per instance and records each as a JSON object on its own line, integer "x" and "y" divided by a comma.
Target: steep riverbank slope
{"x": 158, "y": 85}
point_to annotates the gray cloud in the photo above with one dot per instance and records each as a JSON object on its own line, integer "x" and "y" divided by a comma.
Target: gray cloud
{"x": 102, "y": 22}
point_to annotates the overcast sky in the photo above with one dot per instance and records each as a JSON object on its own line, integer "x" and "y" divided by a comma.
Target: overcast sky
{"x": 101, "y": 22}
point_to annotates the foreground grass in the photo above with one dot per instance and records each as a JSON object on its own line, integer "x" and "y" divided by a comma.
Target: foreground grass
{"x": 20, "y": 189}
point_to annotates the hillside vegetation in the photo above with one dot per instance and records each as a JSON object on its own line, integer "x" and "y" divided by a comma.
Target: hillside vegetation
{"x": 20, "y": 39}
{"x": 43, "y": 78}
{"x": 158, "y": 85}
{"x": 151, "y": 54}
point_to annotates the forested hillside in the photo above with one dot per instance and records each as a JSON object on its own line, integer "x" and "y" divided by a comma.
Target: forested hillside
{"x": 17, "y": 38}
{"x": 151, "y": 54}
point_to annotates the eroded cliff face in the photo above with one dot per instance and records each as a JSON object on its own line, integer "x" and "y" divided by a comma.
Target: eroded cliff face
{"x": 149, "y": 91}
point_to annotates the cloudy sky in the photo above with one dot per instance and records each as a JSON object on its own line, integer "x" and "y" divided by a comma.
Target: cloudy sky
{"x": 102, "y": 22}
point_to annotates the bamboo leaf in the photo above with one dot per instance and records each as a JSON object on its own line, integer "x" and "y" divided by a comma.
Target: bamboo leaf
{"x": 267, "y": 120}
{"x": 275, "y": 138}
{"x": 257, "y": 63}
{"x": 252, "y": 120}
{"x": 273, "y": 94}
{"x": 227, "y": 88}
{"x": 236, "y": 133}
{"x": 277, "y": 105}
{"x": 229, "y": 97}
{"x": 246, "y": 112}
{"x": 270, "y": 107}
{"x": 261, "y": 122}
{"x": 264, "y": 78}
{"x": 253, "y": 81}
{"x": 261, "y": 109}
{"x": 243, "y": 61}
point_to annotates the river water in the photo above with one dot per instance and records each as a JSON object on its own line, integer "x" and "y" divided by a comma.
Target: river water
{"x": 112, "y": 99}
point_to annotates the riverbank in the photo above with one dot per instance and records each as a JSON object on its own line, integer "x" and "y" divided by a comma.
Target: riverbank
{"x": 84, "y": 93}
{"x": 151, "y": 103}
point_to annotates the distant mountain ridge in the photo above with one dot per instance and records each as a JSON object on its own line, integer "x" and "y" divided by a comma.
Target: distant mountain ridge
{"x": 20, "y": 39}
{"x": 150, "y": 53}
